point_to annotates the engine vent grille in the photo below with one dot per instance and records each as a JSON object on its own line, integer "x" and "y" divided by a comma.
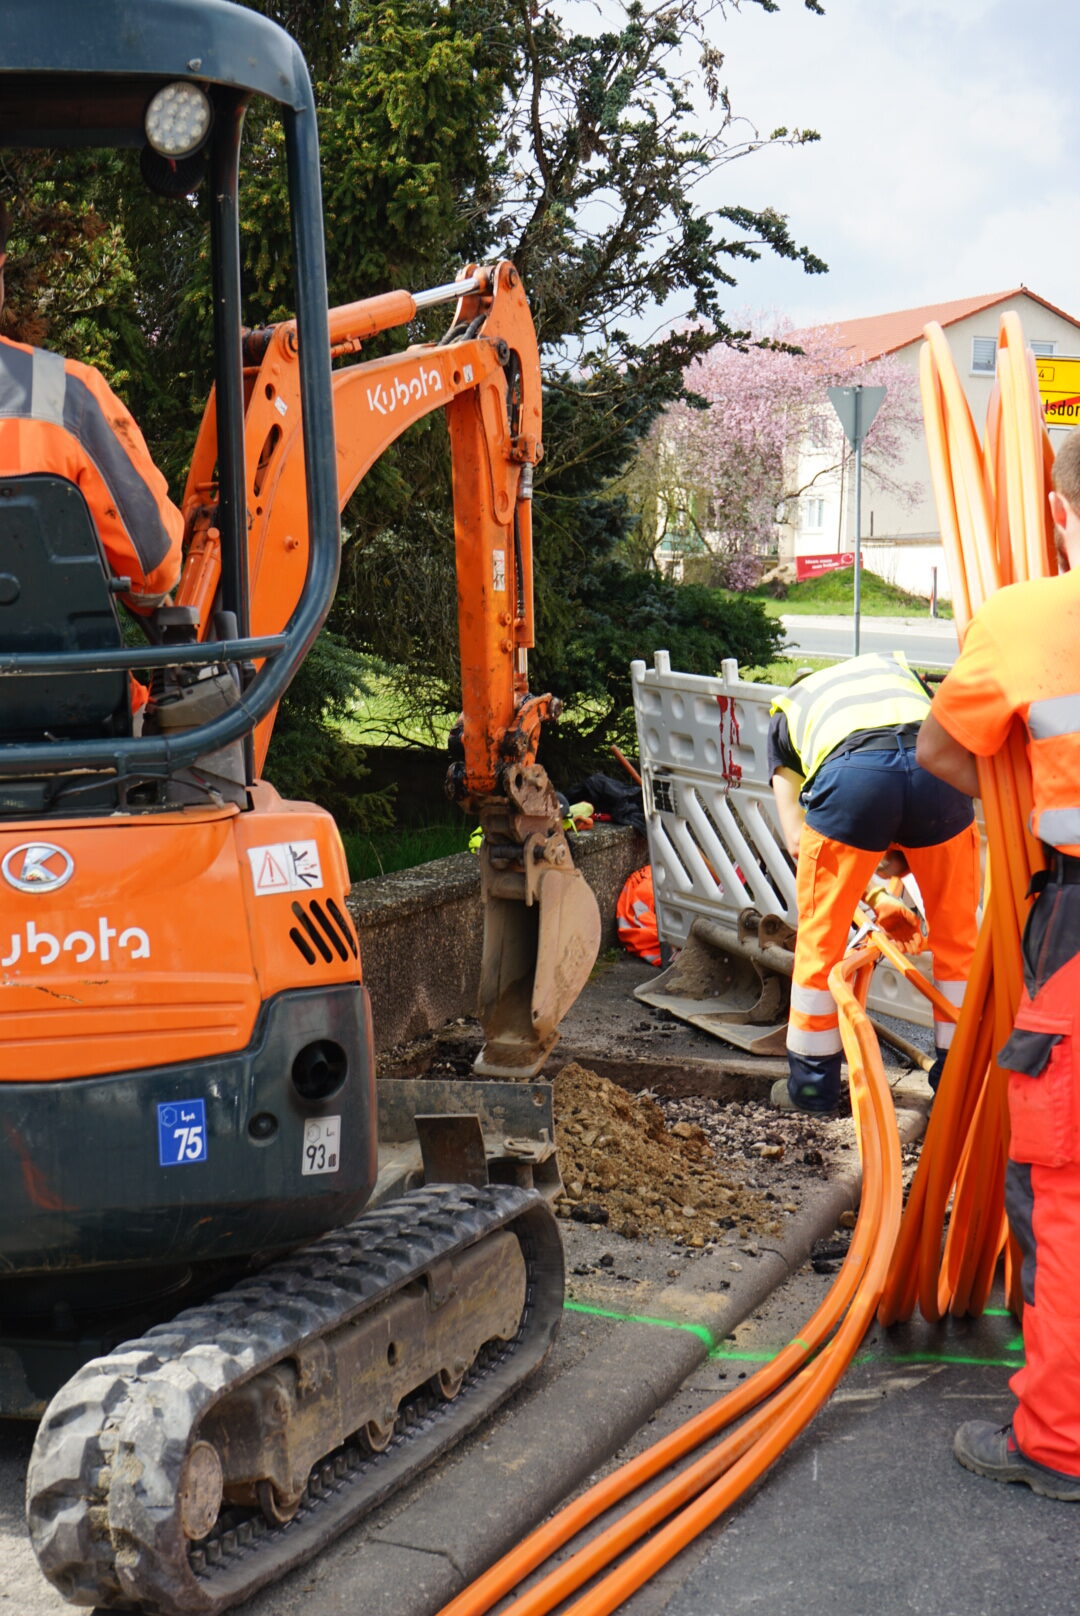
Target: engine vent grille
{"x": 323, "y": 931}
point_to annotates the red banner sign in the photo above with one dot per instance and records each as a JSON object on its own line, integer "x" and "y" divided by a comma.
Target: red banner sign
{"x": 814, "y": 566}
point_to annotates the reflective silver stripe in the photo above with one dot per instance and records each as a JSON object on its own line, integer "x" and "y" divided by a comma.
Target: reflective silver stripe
{"x": 801, "y": 1042}
{"x": 945, "y": 1031}
{"x": 48, "y": 387}
{"x": 136, "y": 506}
{"x": 812, "y": 1001}
{"x": 15, "y": 373}
{"x": 1060, "y": 827}
{"x": 1057, "y": 715}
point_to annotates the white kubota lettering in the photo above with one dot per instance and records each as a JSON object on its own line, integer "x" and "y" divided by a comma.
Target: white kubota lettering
{"x": 383, "y": 399}
{"x": 45, "y": 947}
{"x": 42, "y": 943}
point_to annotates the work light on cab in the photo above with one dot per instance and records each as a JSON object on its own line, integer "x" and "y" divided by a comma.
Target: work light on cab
{"x": 178, "y": 119}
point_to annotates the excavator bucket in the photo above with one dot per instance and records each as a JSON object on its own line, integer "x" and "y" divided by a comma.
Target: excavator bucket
{"x": 733, "y": 984}
{"x": 539, "y": 946}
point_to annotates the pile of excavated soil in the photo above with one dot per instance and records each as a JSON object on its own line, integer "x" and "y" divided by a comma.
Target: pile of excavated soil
{"x": 623, "y": 1166}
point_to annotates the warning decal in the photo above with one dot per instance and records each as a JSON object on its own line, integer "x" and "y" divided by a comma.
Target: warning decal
{"x": 285, "y": 867}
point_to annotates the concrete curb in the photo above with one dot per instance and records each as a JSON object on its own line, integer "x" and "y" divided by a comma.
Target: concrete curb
{"x": 561, "y": 1429}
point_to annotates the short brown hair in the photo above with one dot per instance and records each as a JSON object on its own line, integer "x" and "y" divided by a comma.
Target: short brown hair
{"x": 1066, "y": 474}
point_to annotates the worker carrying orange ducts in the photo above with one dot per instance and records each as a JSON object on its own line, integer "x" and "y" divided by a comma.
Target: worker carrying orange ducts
{"x": 60, "y": 416}
{"x": 841, "y": 757}
{"x": 1021, "y": 658}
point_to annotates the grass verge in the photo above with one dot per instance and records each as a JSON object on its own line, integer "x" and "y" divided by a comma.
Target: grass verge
{"x": 833, "y": 594}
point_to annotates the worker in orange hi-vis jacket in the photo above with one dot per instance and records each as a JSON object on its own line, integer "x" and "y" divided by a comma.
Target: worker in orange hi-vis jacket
{"x": 60, "y": 416}
{"x": 1021, "y": 660}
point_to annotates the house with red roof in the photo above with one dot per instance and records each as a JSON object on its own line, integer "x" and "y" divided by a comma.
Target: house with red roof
{"x": 900, "y": 541}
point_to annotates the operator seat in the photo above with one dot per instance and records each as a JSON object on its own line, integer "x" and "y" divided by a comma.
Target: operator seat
{"x": 56, "y": 595}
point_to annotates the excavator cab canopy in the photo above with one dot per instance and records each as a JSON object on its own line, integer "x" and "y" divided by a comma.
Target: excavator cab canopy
{"x": 172, "y": 78}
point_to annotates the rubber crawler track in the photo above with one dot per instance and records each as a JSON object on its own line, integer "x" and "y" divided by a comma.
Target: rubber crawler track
{"x": 104, "y": 1473}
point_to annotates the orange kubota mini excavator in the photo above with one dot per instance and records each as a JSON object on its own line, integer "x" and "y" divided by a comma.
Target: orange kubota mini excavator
{"x": 186, "y": 1070}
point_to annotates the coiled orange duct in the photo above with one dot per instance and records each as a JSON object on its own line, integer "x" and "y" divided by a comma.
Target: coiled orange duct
{"x": 996, "y": 528}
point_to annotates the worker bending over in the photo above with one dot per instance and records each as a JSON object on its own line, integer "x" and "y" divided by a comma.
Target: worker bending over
{"x": 60, "y": 416}
{"x": 841, "y": 747}
{"x": 1021, "y": 659}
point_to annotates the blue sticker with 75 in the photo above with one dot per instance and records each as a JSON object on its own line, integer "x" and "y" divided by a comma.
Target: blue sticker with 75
{"x": 181, "y": 1132}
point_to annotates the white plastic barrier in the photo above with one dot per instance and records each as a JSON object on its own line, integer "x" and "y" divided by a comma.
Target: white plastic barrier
{"x": 714, "y": 838}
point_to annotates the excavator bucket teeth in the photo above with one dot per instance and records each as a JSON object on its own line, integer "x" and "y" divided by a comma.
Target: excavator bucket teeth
{"x": 729, "y": 986}
{"x": 537, "y": 958}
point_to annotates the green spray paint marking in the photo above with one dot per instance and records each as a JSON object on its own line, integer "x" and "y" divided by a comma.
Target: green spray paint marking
{"x": 719, "y": 1352}
{"x": 952, "y": 1358}
{"x": 729, "y": 1355}
{"x": 699, "y": 1330}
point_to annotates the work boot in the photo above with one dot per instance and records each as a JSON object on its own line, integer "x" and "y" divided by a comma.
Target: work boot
{"x": 933, "y": 1076}
{"x": 990, "y": 1450}
{"x": 812, "y": 1085}
{"x": 783, "y": 1100}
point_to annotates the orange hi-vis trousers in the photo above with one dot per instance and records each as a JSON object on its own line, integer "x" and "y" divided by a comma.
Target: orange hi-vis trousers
{"x": 831, "y": 879}
{"x": 1042, "y": 1184}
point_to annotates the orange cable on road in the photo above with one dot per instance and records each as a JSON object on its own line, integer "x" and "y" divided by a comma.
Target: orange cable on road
{"x": 797, "y": 1389}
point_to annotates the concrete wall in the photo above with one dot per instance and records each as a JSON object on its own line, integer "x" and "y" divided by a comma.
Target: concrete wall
{"x": 421, "y": 931}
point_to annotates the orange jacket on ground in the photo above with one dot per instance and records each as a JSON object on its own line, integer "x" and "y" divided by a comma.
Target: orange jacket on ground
{"x": 59, "y": 416}
{"x": 1021, "y": 657}
{"x": 635, "y": 915}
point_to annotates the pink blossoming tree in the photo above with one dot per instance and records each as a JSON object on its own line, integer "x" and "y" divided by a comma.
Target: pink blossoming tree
{"x": 724, "y": 472}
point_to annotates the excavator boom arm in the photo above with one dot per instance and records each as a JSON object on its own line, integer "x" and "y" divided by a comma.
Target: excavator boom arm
{"x": 486, "y": 375}
{"x": 542, "y": 926}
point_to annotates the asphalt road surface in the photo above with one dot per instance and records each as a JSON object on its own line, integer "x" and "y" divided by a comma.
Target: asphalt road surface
{"x": 868, "y": 1511}
{"x": 927, "y": 642}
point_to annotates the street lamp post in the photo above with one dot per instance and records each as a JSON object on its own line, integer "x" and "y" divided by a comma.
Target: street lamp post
{"x": 857, "y": 407}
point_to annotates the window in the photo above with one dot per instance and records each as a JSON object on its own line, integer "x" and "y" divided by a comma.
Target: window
{"x": 814, "y": 516}
{"x": 1043, "y": 350}
{"x": 820, "y": 432}
{"x": 983, "y": 356}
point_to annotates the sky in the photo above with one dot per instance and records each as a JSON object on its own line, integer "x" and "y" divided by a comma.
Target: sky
{"x": 947, "y": 161}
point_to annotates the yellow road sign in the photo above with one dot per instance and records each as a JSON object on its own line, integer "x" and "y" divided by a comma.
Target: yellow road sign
{"x": 1059, "y": 389}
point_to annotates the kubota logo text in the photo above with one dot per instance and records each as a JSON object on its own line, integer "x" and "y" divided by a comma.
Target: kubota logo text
{"x": 37, "y": 946}
{"x": 397, "y": 393}
{"x": 37, "y": 867}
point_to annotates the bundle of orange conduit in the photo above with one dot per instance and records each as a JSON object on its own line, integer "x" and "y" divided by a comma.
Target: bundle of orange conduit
{"x": 996, "y": 528}
{"x": 995, "y": 521}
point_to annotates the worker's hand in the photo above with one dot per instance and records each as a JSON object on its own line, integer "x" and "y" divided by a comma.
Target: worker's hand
{"x": 898, "y": 922}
